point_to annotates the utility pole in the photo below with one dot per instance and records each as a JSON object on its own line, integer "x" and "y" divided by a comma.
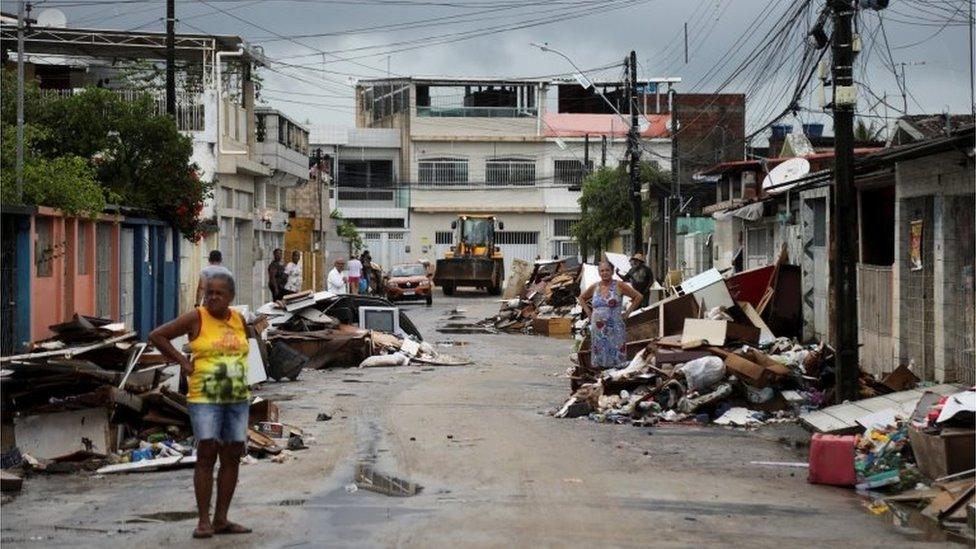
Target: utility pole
{"x": 843, "y": 219}
{"x": 171, "y": 58}
{"x": 20, "y": 99}
{"x": 586, "y": 153}
{"x": 633, "y": 142}
{"x": 674, "y": 199}
{"x": 603, "y": 151}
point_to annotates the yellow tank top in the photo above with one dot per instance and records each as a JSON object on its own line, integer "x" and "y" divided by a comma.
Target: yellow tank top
{"x": 219, "y": 361}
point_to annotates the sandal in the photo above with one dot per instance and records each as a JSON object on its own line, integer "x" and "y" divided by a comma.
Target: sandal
{"x": 232, "y": 528}
{"x": 202, "y": 534}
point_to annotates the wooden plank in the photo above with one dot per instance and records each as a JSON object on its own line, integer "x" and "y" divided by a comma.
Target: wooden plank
{"x": 140, "y": 466}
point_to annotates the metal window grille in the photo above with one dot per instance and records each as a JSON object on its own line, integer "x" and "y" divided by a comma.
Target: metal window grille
{"x": 396, "y": 236}
{"x": 443, "y": 171}
{"x": 84, "y": 264}
{"x": 568, "y": 248}
{"x": 245, "y": 201}
{"x": 562, "y": 227}
{"x": 759, "y": 242}
{"x": 443, "y": 237}
{"x": 570, "y": 172}
{"x": 271, "y": 196}
{"x": 510, "y": 171}
{"x": 516, "y": 237}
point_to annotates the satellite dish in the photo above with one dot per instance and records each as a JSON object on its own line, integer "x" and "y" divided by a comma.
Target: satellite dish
{"x": 787, "y": 172}
{"x": 53, "y": 18}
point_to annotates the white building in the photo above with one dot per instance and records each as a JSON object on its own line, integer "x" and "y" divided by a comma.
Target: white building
{"x": 501, "y": 147}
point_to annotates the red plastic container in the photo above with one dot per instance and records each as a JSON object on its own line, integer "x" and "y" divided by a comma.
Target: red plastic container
{"x": 832, "y": 460}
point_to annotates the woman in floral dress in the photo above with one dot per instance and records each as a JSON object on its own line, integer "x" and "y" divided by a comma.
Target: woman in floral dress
{"x": 603, "y": 304}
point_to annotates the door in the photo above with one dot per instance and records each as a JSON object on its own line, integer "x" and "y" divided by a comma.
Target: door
{"x": 523, "y": 245}
{"x": 127, "y": 277}
{"x": 8, "y": 288}
{"x": 103, "y": 270}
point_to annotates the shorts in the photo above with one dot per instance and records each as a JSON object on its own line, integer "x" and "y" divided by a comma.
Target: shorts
{"x": 354, "y": 282}
{"x": 220, "y": 422}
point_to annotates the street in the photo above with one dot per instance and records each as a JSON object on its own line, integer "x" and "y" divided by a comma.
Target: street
{"x": 494, "y": 468}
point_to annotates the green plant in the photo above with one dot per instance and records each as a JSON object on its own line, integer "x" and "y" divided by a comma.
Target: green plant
{"x": 347, "y": 229}
{"x": 134, "y": 156}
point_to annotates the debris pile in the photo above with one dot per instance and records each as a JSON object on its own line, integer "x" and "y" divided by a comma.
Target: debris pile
{"x": 320, "y": 330}
{"x": 709, "y": 353}
{"x": 544, "y": 301}
{"x": 913, "y": 455}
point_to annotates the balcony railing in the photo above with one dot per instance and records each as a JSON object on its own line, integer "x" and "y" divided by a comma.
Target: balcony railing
{"x": 476, "y": 112}
{"x": 189, "y": 106}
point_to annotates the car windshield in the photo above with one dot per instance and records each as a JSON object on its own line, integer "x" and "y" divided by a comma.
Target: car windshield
{"x": 476, "y": 232}
{"x": 408, "y": 270}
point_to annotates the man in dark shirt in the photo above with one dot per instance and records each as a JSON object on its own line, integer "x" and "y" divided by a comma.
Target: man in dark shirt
{"x": 639, "y": 276}
{"x": 276, "y": 276}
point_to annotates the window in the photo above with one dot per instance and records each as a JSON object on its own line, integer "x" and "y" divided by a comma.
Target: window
{"x": 228, "y": 197}
{"x": 377, "y": 222}
{"x": 562, "y": 227}
{"x": 570, "y": 172}
{"x": 43, "y": 246}
{"x": 759, "y": 242}
{"x": 443, "y": 171}
{"x": 245, "y": 201}
{"x": 510, "y": 171}
{"x": 271, "y": 196}
{"x": 568, "y": 249}
{"x": 443, "y": 237}
{"x": 84, "y": 247}
{"x": 819, "y": 221}
{"x": 365, "y": 173}
{"x": 516, "y": 237}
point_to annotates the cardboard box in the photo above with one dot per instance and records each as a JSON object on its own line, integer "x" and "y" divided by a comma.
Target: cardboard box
{"x": 553, "y": 326}
{"x": 262, "y": 410}
{"x": 951, "y": 451}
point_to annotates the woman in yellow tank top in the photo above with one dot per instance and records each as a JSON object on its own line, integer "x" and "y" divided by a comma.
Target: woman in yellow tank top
{"x": 218, "y": 397}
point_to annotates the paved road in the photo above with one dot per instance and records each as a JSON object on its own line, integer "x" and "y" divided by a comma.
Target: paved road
{"x": 495, "y": 470}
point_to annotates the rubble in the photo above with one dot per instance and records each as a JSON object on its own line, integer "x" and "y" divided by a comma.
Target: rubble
{"x": 543, "y": 301}
{"x": 94, "y": 397}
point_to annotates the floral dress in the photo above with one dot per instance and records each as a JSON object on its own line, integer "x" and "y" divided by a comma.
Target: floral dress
{"x": 608, "y": 334}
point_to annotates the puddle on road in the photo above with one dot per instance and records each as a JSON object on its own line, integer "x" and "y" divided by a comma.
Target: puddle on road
{"x": 917, "y": 527}
{"x": 368, "y": 479}
{"x": 166, "y": 516}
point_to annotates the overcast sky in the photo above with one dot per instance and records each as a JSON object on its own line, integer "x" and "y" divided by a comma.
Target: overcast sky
{"x": 592, "y": 33}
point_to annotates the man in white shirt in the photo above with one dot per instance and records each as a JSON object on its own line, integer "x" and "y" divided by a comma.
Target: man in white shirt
{"x": 293, "y": 270}
{"x": 354, "y": 273}
{"x": 337, "y": 281}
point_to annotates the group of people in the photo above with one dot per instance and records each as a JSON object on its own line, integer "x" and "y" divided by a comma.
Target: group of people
{"x": 355, "y": 276}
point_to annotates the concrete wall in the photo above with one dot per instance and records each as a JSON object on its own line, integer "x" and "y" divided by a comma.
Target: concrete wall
{"x": 933, "y": 306}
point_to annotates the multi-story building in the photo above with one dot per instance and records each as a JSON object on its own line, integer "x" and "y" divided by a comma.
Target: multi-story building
{"x": 366, "y": 187}
{"x": 215, "y": 108}
{"x": 506, "y": 147}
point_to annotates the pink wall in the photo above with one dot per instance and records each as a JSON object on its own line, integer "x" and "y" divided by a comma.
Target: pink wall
{"x": 65, "y": 291}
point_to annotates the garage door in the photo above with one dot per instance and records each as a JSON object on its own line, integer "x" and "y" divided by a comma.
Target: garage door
{"x": 517, "y": 244}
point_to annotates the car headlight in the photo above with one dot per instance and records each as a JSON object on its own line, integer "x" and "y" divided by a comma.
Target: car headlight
{"x": 423, "y": 283}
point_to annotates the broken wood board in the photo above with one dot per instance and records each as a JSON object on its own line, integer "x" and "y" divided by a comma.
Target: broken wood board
{"x": 765, "y": 334}
{"x": 520, "y": 273}
{"x": 10, "y": 482}
{"x": 255, "y": 362}
{"x": 716, "y": 332}
{"x": 141, "y": 466}
{"x": 842, "y": 418}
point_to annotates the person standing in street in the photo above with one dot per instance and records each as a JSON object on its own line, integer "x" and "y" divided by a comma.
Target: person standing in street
{"x": 336, "y": 282}
{"x": 640, "y": 276}
{"x": 276, "y": 276}
{"x": 354, "y": 272}
{"x": 214, "y": 266}
{"x": 368, "y": 274}
{"x": 293, "y": 272}
{"x": 603, "y": 304}
{"x": 218, "y": 397}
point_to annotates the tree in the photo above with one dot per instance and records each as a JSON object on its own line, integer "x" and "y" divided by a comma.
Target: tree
{"x": 135, "y": 157}
{"x": 606, "y": 207}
